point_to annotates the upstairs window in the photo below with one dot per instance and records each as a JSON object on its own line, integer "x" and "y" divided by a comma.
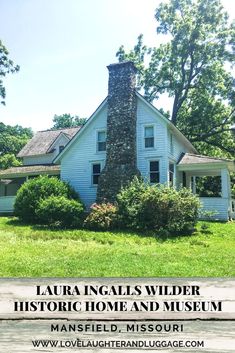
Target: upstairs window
{"x": 171, "y": 173}
{"x": 154, "y": 175}
{"x": 149, "y": 137}
{"x": 96, "y": 169}
{"x": 101, "y": 141}
{"x": 61, "y": 148}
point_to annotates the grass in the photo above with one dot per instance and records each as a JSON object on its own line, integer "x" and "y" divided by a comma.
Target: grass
{"x": 27, "y": 251}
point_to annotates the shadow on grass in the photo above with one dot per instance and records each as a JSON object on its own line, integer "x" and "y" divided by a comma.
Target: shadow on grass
{"x": 47, "y": 233}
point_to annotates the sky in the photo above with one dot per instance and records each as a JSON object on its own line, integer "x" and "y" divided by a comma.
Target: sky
{"x": 63, "y": 48}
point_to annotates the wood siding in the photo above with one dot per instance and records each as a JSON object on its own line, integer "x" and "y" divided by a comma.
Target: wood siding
{"x": 76, "y": 165}
{"x": 77, "y": 161}
{"x": 147, "y": 117}
{"x": 218, "y": 205}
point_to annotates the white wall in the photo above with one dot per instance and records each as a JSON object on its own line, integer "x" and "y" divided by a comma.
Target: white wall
{"x": 42, "y": 159}
{"x": 146, "y": 116}
{"x": 218, "y": 205}
{"x": 77, "y": 162}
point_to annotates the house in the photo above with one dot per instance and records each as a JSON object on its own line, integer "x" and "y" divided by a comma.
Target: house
{"x": 124, "y": 137}
{"x": 38, "y": 156}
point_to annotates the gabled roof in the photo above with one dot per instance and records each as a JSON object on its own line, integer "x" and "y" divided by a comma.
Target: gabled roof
{"x": 184, "y": 140}
{"x": 83, "y": 128}
{"x": 43, "y": 140}
{"x": 177, "y": 132}
{"x": 62, "y": 134}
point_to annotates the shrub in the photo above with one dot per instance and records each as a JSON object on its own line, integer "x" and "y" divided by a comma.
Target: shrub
{"x": 34, "y": 190}
{"x": 102, "y": 217}
{"x": 142, "y": 206}
{"x": 129, "y": 203}
{"x": 60, "y": 211}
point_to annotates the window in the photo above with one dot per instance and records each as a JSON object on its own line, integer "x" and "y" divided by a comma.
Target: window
{"x": 171, "y": 144}
{"x": 171, "y": 173}
{"x": 101, "y": 141}
{"x": 148, "y": 136}
{"x": 61, "y": 148}
{"x": 9, "y": 187}
{"x": 96, "y": 169}
{"x": 154, "y": 172}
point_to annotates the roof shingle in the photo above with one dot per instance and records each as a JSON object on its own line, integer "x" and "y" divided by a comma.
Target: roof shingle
{"x": 30, "y": 170}
{"x": 189, "y": 158}
{"x": 42, "y": 140}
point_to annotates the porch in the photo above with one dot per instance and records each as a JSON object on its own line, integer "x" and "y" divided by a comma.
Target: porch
{"x": 11, "y": 180}
{"x": 218, "y": 205}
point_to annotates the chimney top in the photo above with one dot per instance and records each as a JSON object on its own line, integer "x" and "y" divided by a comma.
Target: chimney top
{"x": 123, "y": 64}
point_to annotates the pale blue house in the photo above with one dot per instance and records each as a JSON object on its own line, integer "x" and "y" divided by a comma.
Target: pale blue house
{"x": 125, "y": 136}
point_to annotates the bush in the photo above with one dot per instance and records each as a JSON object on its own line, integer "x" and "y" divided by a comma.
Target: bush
{"x": 129, "y": 203}
{"x": 142, "y": 206}
{"x": 59, "y": 211}
{"x": 101, "y": 217}
{"x": 34, "y": 191}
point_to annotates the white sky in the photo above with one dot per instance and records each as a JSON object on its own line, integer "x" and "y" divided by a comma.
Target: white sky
{"x": 63, "y": 48}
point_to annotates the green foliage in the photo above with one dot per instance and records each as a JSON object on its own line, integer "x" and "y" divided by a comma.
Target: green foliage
{"x": 9, "y": 160}
{"x": 158, "y": 207}
{"x": 32, "y": 192}
{"x": 101, "y": 217}
{"x": 12, "y": 140}
{"x": 6, "y": 66}
{"x": 67, "y": 120}
{"x": 129, "y": 203}
{"x": 208, "y": 186}
{"x": 190, "y": 67}
{"x": 28, "y": 251}
{"x": 60, "y": 211}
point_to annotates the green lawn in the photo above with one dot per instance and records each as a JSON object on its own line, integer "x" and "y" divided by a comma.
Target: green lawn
{"x": 27, "y": 251}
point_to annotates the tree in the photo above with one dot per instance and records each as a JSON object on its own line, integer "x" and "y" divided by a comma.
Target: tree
{"x": 9, "y": 160}
{"x": 12, "y": 140}
{"x": 190, "y": 67}
{"x": 6, "y": 66}
{"x": 67, "y": 120}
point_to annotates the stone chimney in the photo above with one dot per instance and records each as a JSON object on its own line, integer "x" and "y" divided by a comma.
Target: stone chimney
{"x": 121, "y": 164}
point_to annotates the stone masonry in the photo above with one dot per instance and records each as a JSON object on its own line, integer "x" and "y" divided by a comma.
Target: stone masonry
{"x": 121, "y": 164}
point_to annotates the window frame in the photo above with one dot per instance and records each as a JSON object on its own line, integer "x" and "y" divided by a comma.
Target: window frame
{"x": 97, "y": 141}
{"x": 155, "y": 172}
{"x": 152, "y": 137}
{"x": 95, "y": 174}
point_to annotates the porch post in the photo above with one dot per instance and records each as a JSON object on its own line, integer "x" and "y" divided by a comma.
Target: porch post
{"x": 188, "y": 181}
{"x": 194, "y": 185}
{"x": 225, "y": 184}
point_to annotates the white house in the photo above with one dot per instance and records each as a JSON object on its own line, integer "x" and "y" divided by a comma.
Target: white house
{"x": 125, "y": 136}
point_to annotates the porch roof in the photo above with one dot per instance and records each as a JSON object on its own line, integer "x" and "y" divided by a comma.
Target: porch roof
{"x": 21, "y": 171}
{"x": 190, "y": 161}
